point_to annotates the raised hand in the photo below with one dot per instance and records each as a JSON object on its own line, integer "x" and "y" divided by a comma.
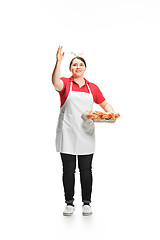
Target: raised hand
{"x": 59, "y": 54}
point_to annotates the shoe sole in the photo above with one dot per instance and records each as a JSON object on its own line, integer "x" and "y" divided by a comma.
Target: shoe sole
{"x": 87, "y": 214}
{"x": 67, "y": 214}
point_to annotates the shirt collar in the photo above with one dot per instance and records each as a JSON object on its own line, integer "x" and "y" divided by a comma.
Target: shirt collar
{"x": 72, "y": 80}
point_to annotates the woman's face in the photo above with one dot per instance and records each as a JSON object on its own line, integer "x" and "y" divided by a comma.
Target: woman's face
{"x": 77, "y": 68}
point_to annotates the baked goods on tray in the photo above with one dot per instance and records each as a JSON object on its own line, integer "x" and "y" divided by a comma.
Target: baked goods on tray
{"x": 98, "y": 116}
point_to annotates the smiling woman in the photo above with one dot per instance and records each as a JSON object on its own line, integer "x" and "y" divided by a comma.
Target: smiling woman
{"x": 74, "y": 135}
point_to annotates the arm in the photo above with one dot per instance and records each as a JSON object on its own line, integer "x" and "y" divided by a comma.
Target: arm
{"x": 106, "y": 106}
{"x": 57, "y": 82}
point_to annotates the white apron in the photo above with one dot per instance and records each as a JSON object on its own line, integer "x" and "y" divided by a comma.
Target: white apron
{"x": 73, "y": 134}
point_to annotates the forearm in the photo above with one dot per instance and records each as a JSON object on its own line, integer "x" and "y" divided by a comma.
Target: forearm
{"x": 108, "y": 108}
{"x": 56, "y": 73}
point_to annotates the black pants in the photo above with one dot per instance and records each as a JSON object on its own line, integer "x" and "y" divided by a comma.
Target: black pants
{"x": 85, "y": 169}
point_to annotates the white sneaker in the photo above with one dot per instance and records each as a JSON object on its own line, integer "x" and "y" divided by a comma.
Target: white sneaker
{"x": 68, "y": 211}
{"x": 86, "y": 210}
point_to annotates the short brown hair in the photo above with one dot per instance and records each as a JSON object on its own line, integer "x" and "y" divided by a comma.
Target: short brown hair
{"x": 80, "y": 58}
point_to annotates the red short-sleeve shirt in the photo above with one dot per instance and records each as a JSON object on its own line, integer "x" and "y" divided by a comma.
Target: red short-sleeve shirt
{"x": 97, "y": 94}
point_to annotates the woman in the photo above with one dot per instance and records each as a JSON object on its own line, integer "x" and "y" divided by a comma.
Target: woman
{"x": 75, "y": 137}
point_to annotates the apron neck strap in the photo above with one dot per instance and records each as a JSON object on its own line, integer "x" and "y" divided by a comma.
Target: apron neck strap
{"x": 89, "y": 88}
{"x": 71, "y": 86}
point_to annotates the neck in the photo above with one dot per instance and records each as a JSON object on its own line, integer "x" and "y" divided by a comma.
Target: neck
{"x": 78, "y": 79}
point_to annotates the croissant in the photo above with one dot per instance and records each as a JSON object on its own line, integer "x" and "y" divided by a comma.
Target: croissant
{"x": 107, "y": 115}
{"x": 93, "y": 116}
{"x": 117, "y": 115}
{"x": 100, "y": 113}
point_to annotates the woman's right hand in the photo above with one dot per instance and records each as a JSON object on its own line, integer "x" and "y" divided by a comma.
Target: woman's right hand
{"x": 59, "y": 54}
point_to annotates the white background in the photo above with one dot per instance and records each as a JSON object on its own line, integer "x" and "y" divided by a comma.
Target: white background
{"x": 120, "y": 40}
